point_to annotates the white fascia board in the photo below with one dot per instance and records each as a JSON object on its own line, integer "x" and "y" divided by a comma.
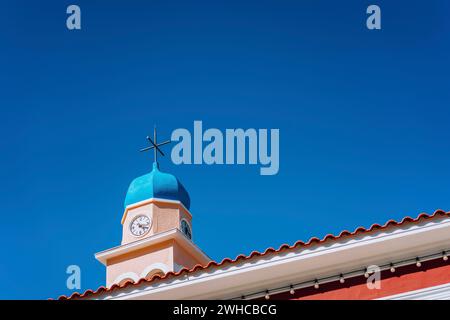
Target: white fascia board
{"x": 301, "y": 264}
{"x": 175, "y": 234}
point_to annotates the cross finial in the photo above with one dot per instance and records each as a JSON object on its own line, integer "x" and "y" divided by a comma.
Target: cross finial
{"x": 155, "y": 145}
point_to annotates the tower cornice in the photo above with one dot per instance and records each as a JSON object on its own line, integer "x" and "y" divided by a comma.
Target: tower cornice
{"x": 155, "y": 201}
{"x": 173, "y": 234}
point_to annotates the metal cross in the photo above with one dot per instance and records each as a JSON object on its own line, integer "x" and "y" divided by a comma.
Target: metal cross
{"x": 155, "y": 145}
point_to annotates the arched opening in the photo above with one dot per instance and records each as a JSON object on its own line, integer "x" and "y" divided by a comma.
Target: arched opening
{"x": 154, "y": 272}
{"x": 156, "y": 268}
{"x": 123, "y": 278}
{"x": 122, "y": 282}
{"x": 186, "y": 228}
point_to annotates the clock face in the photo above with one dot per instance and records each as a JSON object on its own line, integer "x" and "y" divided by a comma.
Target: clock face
{"x": 140, "y": 225}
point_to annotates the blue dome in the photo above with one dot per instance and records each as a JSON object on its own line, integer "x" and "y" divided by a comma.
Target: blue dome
{"x": 157, "y": 184}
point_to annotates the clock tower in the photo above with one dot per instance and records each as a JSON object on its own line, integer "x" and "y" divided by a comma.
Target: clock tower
{"x": 157, "y": 235}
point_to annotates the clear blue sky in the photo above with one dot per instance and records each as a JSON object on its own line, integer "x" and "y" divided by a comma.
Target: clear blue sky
{"x": 363, "y": 118}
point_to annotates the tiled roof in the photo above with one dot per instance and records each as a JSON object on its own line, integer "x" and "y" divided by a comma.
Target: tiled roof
{"x": 298, "y": 244}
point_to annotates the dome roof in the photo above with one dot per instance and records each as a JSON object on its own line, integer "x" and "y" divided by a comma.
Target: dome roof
{"x": 157, "y": 184}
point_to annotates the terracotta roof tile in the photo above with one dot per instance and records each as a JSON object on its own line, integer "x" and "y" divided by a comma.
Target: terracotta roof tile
{"x": 296, "y": 245}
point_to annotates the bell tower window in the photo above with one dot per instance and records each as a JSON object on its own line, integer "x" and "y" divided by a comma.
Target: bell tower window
{"x": 186, "y": 229}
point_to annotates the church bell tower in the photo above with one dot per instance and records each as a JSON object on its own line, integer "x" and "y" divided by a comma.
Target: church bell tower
{"x": 156, "y": 229}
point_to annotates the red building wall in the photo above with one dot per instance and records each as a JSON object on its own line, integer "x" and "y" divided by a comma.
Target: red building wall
{"x": 404, "y": 279}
